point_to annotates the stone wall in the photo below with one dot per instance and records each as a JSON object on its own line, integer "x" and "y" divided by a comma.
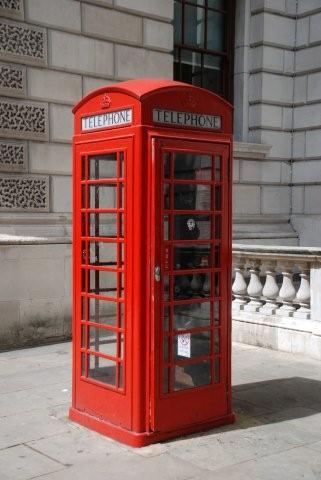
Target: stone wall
{"x": 277, "y": 102}
{"x": 306, "y": 168}
{"x": 35, "y": 295}
{"x": 264, "y": 66}
{"x": 51, "y": 54}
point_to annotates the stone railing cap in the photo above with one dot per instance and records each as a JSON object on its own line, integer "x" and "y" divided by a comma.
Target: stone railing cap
{"x": 31, "y": 240}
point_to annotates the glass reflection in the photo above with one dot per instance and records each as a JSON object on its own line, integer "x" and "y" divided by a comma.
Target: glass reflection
{"x": 103, "y": 166}
{"x": 104, "y": 341}
{"x": 102, "y": 370}
{"x": 192, "y": 316}
{"x": 191, "y": 286}
{"x": 191, "y": 166}
{"x": 192, "y": 256}
{"x": 192, "y": 197}
{"x": 194, "y": 375}
{"x": 192, "y": 227}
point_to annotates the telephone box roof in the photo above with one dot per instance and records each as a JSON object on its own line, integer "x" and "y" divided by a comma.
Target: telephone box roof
{"x": 141, "y": 88}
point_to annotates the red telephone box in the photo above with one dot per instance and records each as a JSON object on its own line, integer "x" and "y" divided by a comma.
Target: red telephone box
{"x": 152, "y": 261}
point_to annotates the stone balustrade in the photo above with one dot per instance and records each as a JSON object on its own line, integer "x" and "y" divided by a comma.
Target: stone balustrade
{"x": 277, "y": 289}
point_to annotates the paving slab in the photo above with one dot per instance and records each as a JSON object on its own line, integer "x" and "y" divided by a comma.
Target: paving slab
{"x": 77, "y": 446}
{"x": 298, "y": 463}
{"x": 277, "y": 435}
{"x": 22, "y": 463}
{"x": 27, "y": 426}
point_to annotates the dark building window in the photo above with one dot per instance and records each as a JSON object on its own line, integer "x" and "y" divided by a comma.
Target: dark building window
{"x": 203, "y": 44}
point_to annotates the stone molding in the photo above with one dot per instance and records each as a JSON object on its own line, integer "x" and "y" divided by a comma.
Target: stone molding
{"x": 13, "y": 156}
{"x": 22, "y": 42}
{"x": 12, "y": 8}
{"x": 12, "y": 80}
{"x": 23, "y": 119}
{"x": 250, "y": 150}
{"x": 24, "y": 193}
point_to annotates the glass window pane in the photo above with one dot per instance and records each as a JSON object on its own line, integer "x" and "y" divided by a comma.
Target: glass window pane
{"x": 83, "y": 336}
{"x": 104, "y": 341}
{"x": 218, "y": 198}
{"x": 192, "y": 197}
{"x": 167, "y": 191}
{"x": 194, "y": 375}
{"x": 177, "y": 22}
{"x": 165, "y": 380}
{"x": 192, "y": 227}
{"x": 102, "y": 370}
{"x": 103, "y": 225}
{"x": 192, "y": 316}
{"x": 166, "y": 288}
{"x": 191, "y": 256}
{"x": 215, "y": 31}
{"x": 191, "y": 67}
{"x": 217, "y": 256}
{"x": 220, "y": 4}
{"x": 166, "y": 318}
{"x": 83, "y": 364}
{"x": 217, "y": 314}
{"x": 217, "y": 284}
{"x": 121, "y": 375}
{"x": 103, "y": 196}
{"x": 121, "y": 314}
{"x": 103, "y": 282}
{"x": 194, "y": 26}
{"x": 102, "y": 253}
{"x": 217, "y": 226}
{"x": 166, "y": 349}
{"x": 103, "y": 166}
{"x": 166, "y": 227}
{"x": 191, "y": 286}
{"x": 167, "y": 171}
{"x": 217, "y": 346}
{"x": 217, "y": 169}
{"x": 192, "y": 166}
{"x": 213, "y": 73}
{"x": 102, "y": 311}
{"x": 217, "y": 376}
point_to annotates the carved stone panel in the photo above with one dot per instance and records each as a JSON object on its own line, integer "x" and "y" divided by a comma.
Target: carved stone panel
{"x": 11, "y": 8}
{"x": 20, "y": 193}
{"x": 23, "y": 119}
{"x": 12, "y": 80}
{"x": 25, "y": 43}
{"x": 13, "y": 156}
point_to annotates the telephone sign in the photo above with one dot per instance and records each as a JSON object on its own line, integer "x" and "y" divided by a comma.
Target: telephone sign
{"x": 152, "y": 261}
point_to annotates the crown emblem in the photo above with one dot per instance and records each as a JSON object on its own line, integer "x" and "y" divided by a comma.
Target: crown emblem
{"x": 190, "y": 100}
{"x": 105, "y": 101}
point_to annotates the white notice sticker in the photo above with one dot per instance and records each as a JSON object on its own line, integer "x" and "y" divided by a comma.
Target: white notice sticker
{"x": 184, "y": 345}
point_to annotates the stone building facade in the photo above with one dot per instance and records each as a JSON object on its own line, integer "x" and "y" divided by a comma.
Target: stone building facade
{"x": 52, "y": 52}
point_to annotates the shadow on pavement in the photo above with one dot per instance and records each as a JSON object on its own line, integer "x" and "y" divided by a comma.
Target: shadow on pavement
{"x": 276, "y": 400}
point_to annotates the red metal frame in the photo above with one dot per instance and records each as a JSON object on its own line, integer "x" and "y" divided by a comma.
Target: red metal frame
{"x": 133, "y": 408}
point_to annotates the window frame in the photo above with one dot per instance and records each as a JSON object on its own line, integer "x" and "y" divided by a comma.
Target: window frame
{"x": 227, "y": 55}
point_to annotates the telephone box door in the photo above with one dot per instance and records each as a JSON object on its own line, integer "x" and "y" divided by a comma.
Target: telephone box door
{"x": 190, "y": 284}
{"x": 102, "y": 336}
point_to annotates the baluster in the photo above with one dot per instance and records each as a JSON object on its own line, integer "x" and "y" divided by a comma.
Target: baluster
{"x": 303, "y": 294}
{"x": 287, "y": 291}
{"x": 239, "y": 286}
{"x": 270, "y": 290}
{"x": 254, "y": 288}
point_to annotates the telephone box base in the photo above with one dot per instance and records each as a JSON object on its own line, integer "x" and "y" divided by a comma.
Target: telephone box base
{"x": 145, "y": 438}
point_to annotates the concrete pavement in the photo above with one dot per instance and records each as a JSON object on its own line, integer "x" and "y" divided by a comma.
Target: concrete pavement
{"x": 277, "y": 436}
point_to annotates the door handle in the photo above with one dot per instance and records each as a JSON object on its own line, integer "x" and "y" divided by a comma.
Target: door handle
{"x": 157, "y": 273}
